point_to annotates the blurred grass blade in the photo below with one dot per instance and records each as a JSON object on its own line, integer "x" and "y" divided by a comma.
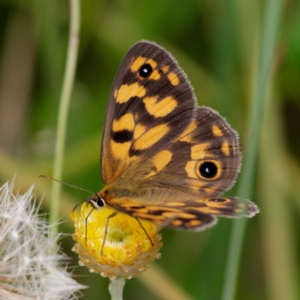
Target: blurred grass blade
{"x": 64, "y": 106}
{"x": 277, "y": 226}
{"x": 271, "y": 19}
{"x": 160, "y": 283}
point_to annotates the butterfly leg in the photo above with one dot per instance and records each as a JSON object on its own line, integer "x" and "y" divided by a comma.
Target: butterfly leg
{"x": 86, "y": 228}
{"x": 148, "y": 236}
{"x": 105, "y": 231}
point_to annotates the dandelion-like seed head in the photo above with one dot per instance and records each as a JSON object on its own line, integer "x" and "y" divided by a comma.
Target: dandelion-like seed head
{"x": 29, "y": 257}
{"x": 127, "y": 248}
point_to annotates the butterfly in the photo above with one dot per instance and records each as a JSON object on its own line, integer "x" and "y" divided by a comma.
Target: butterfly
{"x": 163, "y": 158}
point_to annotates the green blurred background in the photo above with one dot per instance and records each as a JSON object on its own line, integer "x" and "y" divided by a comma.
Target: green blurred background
{"x": 216, "y": 43}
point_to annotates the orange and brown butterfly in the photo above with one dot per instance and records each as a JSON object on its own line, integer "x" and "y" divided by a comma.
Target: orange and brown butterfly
{"x": 165, "y": 159}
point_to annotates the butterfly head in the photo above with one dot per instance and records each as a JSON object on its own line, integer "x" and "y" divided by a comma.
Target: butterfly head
{"x": 96, "y": 201}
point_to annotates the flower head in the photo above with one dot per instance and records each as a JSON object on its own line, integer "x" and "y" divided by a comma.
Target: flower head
{"x": 29, "y": 266}
{"x": 128, "y": 245}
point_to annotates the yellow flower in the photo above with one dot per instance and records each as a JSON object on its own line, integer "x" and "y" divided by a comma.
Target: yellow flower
{"x": 127, "y": 249}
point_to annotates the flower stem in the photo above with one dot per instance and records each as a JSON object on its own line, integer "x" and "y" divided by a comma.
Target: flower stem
{"x": 65, "y": 98}
{"x": 116, "y": 288}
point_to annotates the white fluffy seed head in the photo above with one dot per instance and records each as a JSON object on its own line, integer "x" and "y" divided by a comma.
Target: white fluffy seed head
{"x": 29, "y": 268}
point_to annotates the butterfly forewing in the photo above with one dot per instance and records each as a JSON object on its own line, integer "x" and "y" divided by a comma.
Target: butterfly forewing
{"x": 151, "y": 103}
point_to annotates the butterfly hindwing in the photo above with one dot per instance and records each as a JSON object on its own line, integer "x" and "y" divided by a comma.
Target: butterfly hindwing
{"x": 189, "y": 215}
{"x": 201, "y": 163}
{"x": 204, "y": 159}
{"x": 151, "y": 102}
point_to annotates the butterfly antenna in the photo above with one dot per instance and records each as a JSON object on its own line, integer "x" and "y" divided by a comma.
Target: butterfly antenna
{"x": 65, "y": 183}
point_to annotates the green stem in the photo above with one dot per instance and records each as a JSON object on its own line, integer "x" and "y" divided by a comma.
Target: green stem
{"x": 260, "y": 88}
{"x": 116, "y": 288}
{"x": 65, "y": 98}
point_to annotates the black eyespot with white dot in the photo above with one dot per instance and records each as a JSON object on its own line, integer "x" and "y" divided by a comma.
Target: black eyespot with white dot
{"x": 208, "y": 169}
{"x": 145, "y": 70}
